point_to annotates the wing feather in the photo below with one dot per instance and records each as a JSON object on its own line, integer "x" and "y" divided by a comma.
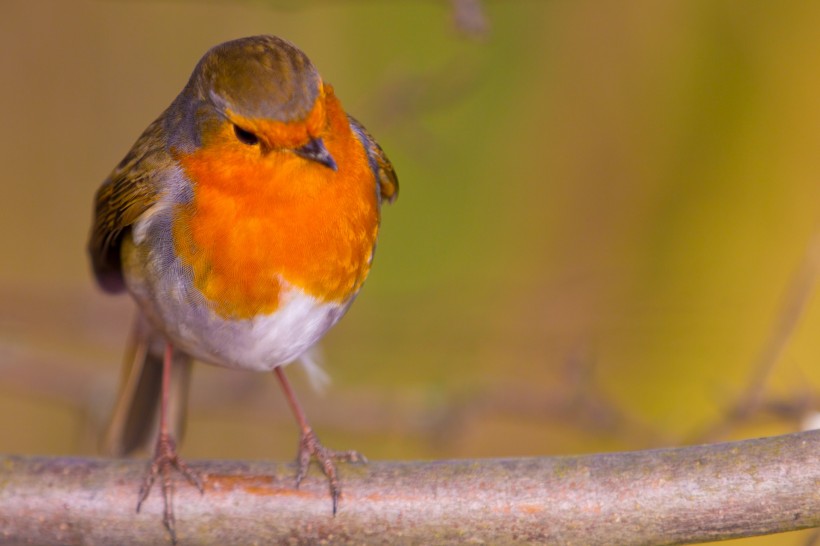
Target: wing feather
{"x": 124, "y": 196}
{"x": 385, "y": 174}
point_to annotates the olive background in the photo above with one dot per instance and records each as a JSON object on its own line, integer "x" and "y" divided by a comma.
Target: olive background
{"x": 602, "y": 208}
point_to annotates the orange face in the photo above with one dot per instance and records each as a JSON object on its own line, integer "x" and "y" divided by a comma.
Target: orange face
{"x": 262, "y": 214}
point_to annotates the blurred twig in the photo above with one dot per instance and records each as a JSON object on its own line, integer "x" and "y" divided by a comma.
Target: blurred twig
{"x": 813, "y": 539}
{"x": 469, "y": 18}
{"x": 670, "y": 496}
{"x": 575, "y": 400}
{"x": 794, "y": 304}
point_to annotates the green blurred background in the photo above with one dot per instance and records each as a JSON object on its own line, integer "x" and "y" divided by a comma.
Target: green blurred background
{"x": 602, "y": 207}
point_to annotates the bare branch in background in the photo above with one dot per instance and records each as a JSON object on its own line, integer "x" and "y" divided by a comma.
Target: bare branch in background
{"x": 668, "y": 496}
{"x": 469, "y": 18}
{"x": 752, "y": 400}
{"x": 575, "y": 400}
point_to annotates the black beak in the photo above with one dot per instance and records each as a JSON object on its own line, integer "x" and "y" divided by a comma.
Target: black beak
{"x": 315, "y": 151}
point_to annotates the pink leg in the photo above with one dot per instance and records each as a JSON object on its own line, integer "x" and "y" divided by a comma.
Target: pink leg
{"x": 310, "y": 447}
{"x": 165, "y": 456}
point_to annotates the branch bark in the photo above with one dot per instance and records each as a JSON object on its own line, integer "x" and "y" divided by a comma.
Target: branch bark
{"x": 664, "y": 496}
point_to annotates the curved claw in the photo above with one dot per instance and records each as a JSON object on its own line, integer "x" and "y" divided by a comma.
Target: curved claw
{"x": 166, "y": 459}
{"x": 311, "y": 448}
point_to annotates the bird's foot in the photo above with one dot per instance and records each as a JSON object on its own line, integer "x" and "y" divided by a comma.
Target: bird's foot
{"x": 165, "y": 460}
{"x": 311, "y": 448}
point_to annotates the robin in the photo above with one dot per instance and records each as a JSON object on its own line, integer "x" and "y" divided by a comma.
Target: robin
{"x": 243, "y": 222}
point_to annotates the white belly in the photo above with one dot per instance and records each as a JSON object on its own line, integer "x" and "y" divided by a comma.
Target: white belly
{"x": 173, "y": 306}
{"x": 260, "y": 343}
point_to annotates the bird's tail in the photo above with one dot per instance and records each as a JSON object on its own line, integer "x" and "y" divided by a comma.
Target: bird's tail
{"x": 134, "y": 421}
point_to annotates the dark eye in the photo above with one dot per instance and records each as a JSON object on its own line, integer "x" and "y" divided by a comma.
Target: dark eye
{"x": 245, "y": 137}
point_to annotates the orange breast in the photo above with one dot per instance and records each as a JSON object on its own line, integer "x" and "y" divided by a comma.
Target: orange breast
{"x": 259, "y": 218}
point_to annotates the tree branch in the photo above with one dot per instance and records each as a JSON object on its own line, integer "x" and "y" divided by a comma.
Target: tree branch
{"x": 665, "y": 496}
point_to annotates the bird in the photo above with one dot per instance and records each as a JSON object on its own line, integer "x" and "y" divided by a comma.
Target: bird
{"x": 243, "y": 222}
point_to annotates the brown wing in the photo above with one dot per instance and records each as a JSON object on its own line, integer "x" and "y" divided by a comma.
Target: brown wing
{"x": 385, "y": 174}
{"x": 125, "y": 195}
